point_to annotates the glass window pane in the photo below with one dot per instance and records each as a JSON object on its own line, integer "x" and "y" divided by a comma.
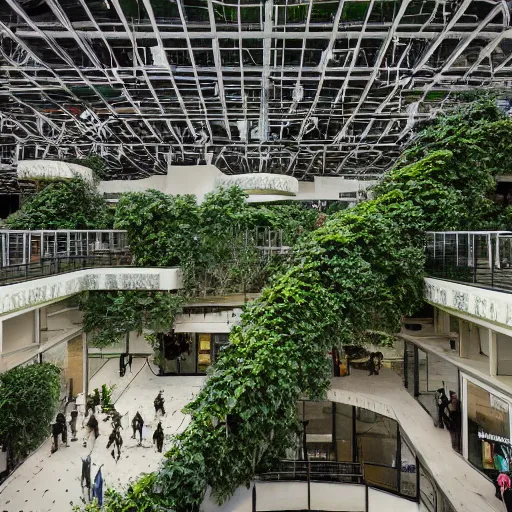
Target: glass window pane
{"x": 408, "y": 469}
{"x": 438, "y": 379}
{"x": 488, "y": 431}
{"x": 409, "y": 362}
{"x": 343, "y": 421}
{"x": 427, "y": 492}
{"x": 376, "y": 438}
{"x": 319, "y": 430}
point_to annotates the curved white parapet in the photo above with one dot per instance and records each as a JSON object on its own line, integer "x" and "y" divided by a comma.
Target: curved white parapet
{"x": 23, "y": 295}
{"x": 261, "y": 183}
{"x": 52, "y": 170}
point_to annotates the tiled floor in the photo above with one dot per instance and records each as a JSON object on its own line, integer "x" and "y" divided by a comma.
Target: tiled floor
{"x": 47, "y": 482}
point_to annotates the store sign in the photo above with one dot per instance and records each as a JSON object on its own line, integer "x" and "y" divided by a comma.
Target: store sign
{"x": 493, "y": 438}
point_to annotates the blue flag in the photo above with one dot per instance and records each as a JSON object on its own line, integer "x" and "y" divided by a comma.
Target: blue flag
{"x": 97, "y": 488}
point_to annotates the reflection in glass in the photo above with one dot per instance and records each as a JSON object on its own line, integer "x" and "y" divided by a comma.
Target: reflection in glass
{"x": 488, "y": 431}
{"x": 344, "y": 441}
{"x": 427, "y": 492}
{"x": 407, "y": 469}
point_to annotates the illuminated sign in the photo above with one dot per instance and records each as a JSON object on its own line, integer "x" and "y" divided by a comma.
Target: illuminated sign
{"x": 494, "y": 438}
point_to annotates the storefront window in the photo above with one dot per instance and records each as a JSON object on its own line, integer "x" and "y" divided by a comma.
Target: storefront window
{"x": 407, "y": 470}
{"x": 343, "y": 422}
{"x": 409, "y": 367}
{"x": 319, "y": 430}
{"x": 438, "y": 379}
{"x": 488, "y": 431}
{"x": 427, "y": 492}
{"x": 204, "y": 352}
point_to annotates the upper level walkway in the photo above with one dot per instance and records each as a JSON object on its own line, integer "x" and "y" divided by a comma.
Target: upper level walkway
{"x": 481, "y": 258}
{"x": 26, "y": 255}
{"x": 466, "y": 488}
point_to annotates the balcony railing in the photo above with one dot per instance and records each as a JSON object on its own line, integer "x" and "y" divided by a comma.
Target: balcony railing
{"x": 315, "y": 471}
{"x": 33, "y": 254}
{"x": 478, "y": 257}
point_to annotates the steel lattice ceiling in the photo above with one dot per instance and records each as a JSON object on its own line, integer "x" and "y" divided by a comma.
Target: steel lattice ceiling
{"x": 319, "y": 87}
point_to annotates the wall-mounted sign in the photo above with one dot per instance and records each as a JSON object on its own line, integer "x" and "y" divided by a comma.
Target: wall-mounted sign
{"x": 493, "y": 438}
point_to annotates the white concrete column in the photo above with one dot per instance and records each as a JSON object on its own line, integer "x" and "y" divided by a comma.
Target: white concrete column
{"x": 493, "y": 353}
{"x": 1, "y": 334}
{"x": 464, "y": 339}
{"x": 37, "y": 326}
{"x": 85, "y": 357}
{"x": 442, "y": 322}
{"x": 43, "y": 318}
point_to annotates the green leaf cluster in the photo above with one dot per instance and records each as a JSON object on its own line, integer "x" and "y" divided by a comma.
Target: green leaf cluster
{"x": 359, "y": 273}
{"x": 63, "y": 204}
{"x": 28, "y": 403}
{"x": 108, "y": 316}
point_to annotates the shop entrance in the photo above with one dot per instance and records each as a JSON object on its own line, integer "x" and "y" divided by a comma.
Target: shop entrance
{"x": 190, "y": 353}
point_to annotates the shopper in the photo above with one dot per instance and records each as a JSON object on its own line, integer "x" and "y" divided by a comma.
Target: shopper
{"x": 137, "y": 425}
{"x": 158, "y": 437}
{"x": 116, "y": 439}
{"x": 72, "y": 424}
{"x": 441, "y": 402}
{"x": 59, "y": 428}
{"x": 452, "y": 419}
{"x": 91, "y": 427}
{"x": 159, "y": 403}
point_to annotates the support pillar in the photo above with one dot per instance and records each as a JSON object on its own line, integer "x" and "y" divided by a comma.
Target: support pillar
{"x": 464, "y": 341}
{"x": 37, "y": 326}
{"x": 442, "y": 322}
{"x": 85, "y": 357}
{"x": 493, "y": 353}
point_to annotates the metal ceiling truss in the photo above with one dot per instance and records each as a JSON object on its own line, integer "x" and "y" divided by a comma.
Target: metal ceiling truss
{"x": 301, "y": 87}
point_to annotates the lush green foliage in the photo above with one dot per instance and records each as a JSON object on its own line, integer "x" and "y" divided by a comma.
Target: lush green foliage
{"x": 108, "y": 316}
{"x": 96, "y": 164}
{"x": 358, "y": 273}
{"x": 64, "y": 204}
{"x": 163, "y": 230}
{"x": 28, "y": 404}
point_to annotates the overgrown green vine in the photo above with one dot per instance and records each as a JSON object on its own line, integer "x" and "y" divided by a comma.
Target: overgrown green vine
{"x": 28, "y": 404}
{"x": 362, "y": 270}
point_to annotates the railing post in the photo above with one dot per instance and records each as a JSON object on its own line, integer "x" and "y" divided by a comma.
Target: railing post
{"x": 475, "y": 257}
{"x": 491, "y": 258}
{"x": 308, "y": 467}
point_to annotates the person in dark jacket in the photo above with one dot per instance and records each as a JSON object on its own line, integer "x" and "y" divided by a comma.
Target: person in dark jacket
{"x": 72, "y": 424}
{"x": 453, "y": 420}
{"x": 137, "y": 425}
{"x": 441, "y": 402}
{"x": 115, "y": 438}
{"x": 375, "y": 363}
{"x": 59, "y": 428}
{"x": 90, "y": 427}
{"x": 158, "y": 437}
{"x": 86, "y": 476}
{"x": 158, "y": 402}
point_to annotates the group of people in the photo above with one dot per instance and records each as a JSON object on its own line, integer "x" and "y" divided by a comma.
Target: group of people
{"x": 449, "y": 415}
{"x": 115, "y": 440}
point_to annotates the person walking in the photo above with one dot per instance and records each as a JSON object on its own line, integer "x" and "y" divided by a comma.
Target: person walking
{"x": 158, "y": 402}
{"x": 158, "y": 437}
{"x": 452, "y": 419}
{"x": 90, "y": 428}
{"x": 137, "y": 425}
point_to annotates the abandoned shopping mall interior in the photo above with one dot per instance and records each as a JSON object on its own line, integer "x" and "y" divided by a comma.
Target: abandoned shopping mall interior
{"x": 255, "y": 255}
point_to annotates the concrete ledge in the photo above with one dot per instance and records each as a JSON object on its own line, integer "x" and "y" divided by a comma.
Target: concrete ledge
{"x": 492, "y": 306}
{"x": 466, "y": 488}
{"x": 39, "y": 291}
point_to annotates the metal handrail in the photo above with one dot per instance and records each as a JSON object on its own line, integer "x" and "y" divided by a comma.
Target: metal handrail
{"x": 478, "y": 257}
